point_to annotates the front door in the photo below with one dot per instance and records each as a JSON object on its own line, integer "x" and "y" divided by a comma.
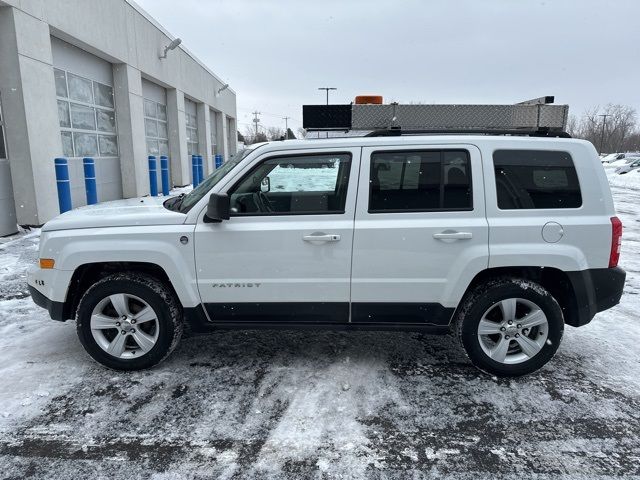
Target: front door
{"x": 285, "y": 254}
{"x": 420, "y": 234}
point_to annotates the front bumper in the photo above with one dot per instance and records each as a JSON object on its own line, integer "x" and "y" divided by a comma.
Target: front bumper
{"x": 55, "y": 309}
{"x": 48, "y": 289}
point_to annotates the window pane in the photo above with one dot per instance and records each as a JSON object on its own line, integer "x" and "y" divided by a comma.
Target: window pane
{"x": 86, "y": 144}
{"x": 63, "y": 114}
{"x": 457, "y": 180}
{"x": 67, "y": 144}
{"x": 3, "y": 153}
{"x": 106, "y": 120}
{"x": 150, "y": 128}
{"x": 312, "y": 184}
{"x": 162, "y": 130}
{"x": 405, "y": 181}
{"x": 152, "y": 147}
{"x": 61, "y": 83}
{"x": 83, "y": 117}
{"x": 103, "y": 94}
{"x": 164, "y": 147}
{"x": 527, "y": 179}
{"x": 150, "y": 109}
{"x": 80, "y": 88}
{"x": 192, "y": 148}
{"x": 193, "y": 135}
{"x": 108, "y": 145}
{"x": 162, "y": 112}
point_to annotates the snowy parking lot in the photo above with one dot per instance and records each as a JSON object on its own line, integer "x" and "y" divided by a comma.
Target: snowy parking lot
{"x": 307, "y": 404}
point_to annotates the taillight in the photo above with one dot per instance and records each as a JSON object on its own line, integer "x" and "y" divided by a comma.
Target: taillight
{"x": 616, "y": 241}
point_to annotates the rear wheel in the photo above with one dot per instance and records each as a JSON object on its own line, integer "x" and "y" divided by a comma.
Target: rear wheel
{"x": 510, "y": 327}
{"x": 129, "y": 321}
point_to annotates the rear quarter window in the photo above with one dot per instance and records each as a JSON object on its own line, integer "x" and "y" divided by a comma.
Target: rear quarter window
{"x": 536, "y": 179}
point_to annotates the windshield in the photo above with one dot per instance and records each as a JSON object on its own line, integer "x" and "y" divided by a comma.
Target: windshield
{"x": 184, "y": 203}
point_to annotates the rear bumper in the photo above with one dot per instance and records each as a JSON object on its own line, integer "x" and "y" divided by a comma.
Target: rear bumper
{"x": 595, "y": 290}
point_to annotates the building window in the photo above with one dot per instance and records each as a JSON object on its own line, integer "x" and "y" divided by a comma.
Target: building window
{"x": 192, "y": 134}
{"x": 87, "y": 116}
{"x": 155, "y": 128}
{"x": 3, "y": 148}
{"x": 214, "y": 132}
{"x": 533, "y": 179}
{"x": 420, "y": 181}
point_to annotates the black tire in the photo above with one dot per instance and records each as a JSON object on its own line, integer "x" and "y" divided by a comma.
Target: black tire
{"x": 482, "y": 298}
{"x": 152, "y": 291}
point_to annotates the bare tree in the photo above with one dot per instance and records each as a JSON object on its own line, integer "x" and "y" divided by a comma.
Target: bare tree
{"x": 302, "y": 133}
{"x": 250, "y": 136}
{"x": 613, "y": 130}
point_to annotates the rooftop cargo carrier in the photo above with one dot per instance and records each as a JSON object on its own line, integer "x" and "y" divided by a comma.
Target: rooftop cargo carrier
{"x": 535, "y": 117}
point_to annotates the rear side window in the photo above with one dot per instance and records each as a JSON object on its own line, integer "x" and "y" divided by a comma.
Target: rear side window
{"x": 418, "y": 181}
{"x": 533, "y": 179}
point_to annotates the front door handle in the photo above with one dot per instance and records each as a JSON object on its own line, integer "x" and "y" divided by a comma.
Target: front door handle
{"x": 321, "y": 237}
{"x": 453, "y": 235}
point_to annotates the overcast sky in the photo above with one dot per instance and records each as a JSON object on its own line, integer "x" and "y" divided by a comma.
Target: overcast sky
{"x": 275, "y": 54}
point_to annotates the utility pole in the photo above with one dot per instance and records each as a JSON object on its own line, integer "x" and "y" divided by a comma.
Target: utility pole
{"x": 286, "y": 127}
{"x": 327, "y": 89}
{"x": 256, "y": 120}
{"x": 604, "y": 123}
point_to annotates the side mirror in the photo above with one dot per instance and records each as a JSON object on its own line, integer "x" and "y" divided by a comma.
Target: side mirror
{"x": 265, "y": 185}
{"x": 218, "y": 208}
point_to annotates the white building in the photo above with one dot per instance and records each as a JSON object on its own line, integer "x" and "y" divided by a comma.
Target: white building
{"x": 83, "y": 78}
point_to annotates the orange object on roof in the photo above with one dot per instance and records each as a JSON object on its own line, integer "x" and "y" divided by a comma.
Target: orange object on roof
{"x": 368, "y": 99}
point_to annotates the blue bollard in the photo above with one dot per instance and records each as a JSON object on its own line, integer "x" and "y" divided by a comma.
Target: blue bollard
{"x": 90, "y": 180}
{"x": 153, "y": 176}
{"x": 164, "y": 173}
{"x": 62, "y": 180}
{"x": 194, "y": 170}
{"x": 218, "y": 161}
{"x": 200, "y": 169}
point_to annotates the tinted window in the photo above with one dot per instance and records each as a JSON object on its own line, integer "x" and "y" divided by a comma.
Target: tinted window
{"x": 535, "y": 179}
{"x": 420, "y": 181}
{"x": 306, "y": 184}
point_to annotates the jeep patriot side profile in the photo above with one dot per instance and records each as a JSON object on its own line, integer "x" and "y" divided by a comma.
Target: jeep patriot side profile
{"x": 500, "y": 239}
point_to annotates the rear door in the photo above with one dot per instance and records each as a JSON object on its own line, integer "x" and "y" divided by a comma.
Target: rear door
{"x": 420, "y": 232}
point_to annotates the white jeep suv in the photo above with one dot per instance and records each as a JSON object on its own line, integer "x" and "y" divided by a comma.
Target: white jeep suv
{"x": 501, "y": 239}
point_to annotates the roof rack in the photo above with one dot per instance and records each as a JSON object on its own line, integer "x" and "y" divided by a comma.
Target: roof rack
{"x": 536, "y": 117}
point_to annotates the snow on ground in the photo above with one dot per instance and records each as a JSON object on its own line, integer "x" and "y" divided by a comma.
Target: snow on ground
{"x": 306, "y": 404}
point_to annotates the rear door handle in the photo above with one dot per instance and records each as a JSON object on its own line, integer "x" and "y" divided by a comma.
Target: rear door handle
{"x": 321, "y": 237}
{"x": 453, "y": 235}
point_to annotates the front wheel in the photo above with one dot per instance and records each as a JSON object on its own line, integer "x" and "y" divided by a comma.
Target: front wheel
{"x": 129, "y": 321}
{"x": 510, "y": 327}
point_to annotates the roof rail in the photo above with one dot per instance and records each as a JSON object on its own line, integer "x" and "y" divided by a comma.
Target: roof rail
{"x": 536, "y": 117}
{"x": 542, "y": 132}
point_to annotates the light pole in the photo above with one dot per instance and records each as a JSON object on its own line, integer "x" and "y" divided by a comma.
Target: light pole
{"x": 604, "y": 123}
{"x": 327, "y": 89}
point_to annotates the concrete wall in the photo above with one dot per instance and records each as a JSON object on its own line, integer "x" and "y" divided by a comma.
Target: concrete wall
{"x": 116, "y": 31}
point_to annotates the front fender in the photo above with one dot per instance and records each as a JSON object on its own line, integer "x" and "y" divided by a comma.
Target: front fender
{"x": 159, "y": 245}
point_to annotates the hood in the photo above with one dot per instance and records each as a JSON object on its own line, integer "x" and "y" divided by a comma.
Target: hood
{"x": 119, "y": 213}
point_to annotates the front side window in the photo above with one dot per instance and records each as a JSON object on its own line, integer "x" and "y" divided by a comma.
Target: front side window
{"x": 294, "y": 185}
{"x": 535, "y": 179}
{"x": 418, "y": 181}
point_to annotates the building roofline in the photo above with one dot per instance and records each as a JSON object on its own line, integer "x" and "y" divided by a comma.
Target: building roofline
{"x": 157, "y": 24}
